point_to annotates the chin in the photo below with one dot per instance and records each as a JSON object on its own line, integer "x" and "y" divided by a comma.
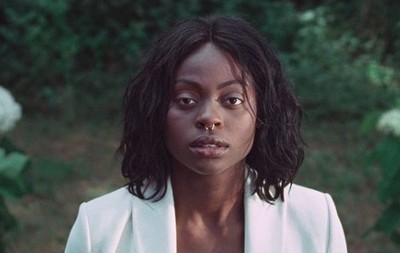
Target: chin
{"x": 211, "y": 167}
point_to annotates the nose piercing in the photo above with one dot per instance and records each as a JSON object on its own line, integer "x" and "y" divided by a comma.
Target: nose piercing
{"x": 209, "y": 127}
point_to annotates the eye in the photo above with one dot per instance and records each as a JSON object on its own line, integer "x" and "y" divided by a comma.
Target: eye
{"x": 234, "y": 101}
{"x": 185, "y": 101}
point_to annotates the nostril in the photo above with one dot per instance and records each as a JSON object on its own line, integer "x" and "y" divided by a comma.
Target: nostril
{"x": 200, "y": 125}
{"x": 208, "y": 125}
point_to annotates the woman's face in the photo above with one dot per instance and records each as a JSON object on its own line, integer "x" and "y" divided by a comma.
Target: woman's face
{"x": 210, "y": 121}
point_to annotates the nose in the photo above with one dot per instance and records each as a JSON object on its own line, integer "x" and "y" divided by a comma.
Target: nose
{"x": 209, "y": 116}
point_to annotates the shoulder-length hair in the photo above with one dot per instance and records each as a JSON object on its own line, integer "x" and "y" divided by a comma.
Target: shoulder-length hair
{"x": 277, "y": 152}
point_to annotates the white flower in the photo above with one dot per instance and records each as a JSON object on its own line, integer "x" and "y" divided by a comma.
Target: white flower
{"x": 307, "y": 16}
{"x": 10, "y": 110}
{"x": 389, "y": 122}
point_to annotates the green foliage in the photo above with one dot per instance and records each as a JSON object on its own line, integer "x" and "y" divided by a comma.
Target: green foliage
{"x": 335, "y": 78}
{"x": 387, "y": 155}
{"x": 389, "y": 221}
{"x": 19, "y": 176}
{"x": 13, "y": 184}
{"x": 369, "y": 122}
{"x": 11, "y": 168}
{"x": 73, "y": 58}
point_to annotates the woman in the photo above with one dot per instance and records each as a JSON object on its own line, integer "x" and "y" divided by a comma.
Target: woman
{"x": 211, "y": 146}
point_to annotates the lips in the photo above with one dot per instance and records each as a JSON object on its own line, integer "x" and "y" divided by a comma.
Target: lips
{"x": 208, "y": 146}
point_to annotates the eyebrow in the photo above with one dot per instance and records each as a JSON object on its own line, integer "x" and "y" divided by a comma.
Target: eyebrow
{"x": 219, "y": 86}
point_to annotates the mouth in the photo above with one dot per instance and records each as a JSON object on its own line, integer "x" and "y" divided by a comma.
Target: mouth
{"x": 208, "y": 147}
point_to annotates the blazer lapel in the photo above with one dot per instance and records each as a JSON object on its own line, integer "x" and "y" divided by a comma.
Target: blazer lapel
{"x": 154, "y": 226}
{"x": 263, "y": 224}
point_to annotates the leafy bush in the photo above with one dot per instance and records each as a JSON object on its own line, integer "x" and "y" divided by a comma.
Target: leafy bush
{"x": 13, "y": 162}
{"x": 333, "y": 82}
{"x": 386, "y": 154}
{"x": 13, "y": 183}
{"x": 73, "y": 58}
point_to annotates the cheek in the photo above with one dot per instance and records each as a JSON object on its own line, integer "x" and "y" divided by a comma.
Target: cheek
{"x": 248, "y": 132}
{"x": 175, "y": 120}
{"x": 176, "y": 126}
{"x": 250, "y": 127}
{"x": 245, "y": 130}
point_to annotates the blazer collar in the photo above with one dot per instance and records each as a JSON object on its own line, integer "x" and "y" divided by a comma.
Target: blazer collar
{"x": 263, "y": 232}
{"x": 154, "y": 224}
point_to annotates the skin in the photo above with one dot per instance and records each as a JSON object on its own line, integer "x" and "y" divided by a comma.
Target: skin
{"x": 209, "y": 164}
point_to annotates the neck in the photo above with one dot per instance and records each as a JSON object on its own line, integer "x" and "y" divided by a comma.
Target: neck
{"x": 208, "y": 199}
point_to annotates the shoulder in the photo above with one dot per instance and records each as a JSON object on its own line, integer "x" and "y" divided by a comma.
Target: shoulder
{"x": 116, "y": 221}
{"x": 119, "y": 198}
{"x": 305, "y": 221}
{"x": 300, "y": 196}
{"x": 102, "y": 222}
{"x": 301, "y": 191}
{"x": 116, "y": 205}
{"x": 308, "y": 206}
{"x": 312, "y": 215}
{"x": 102, "y": 212}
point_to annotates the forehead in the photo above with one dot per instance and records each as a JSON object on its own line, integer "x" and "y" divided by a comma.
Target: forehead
{"x": 207, "y": 62}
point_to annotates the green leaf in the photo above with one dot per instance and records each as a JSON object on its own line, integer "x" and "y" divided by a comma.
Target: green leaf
{"x": 13, "y": 188}
{"x": 388, "y": 152}
{"x": 12, "y": 164}
{"x": 368, "y": 124}
{"x": 389, "y": 188}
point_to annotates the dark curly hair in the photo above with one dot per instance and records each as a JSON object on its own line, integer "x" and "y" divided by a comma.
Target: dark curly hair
{"x": 277, "y": 152}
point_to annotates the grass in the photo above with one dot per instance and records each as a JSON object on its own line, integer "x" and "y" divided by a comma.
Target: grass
{"x": 76, "y": 162}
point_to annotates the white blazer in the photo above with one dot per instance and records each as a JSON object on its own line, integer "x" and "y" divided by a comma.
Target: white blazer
{"x": 306, "y": 221}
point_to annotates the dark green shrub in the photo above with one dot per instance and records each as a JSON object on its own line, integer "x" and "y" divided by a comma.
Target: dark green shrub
{"x": 332, "y": 81}
{"x": 385, "y": 154}
{"x": 13, "y": 183}
{"x": 73, "y": 58}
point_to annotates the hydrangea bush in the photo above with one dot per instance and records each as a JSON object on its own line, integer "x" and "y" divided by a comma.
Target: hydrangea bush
{"x": 10, "y": 111}
{"x": 13, "y": 163}
{"x": 389, "y": 122}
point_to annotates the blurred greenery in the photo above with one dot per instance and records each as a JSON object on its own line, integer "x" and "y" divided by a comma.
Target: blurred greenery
{"x": 13, "y": 183}
{"x": 68, "y": 61}
{"x": 73, "y": 58}
{"x": 50, "y": 171}
{"x": 387, "y": 154}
